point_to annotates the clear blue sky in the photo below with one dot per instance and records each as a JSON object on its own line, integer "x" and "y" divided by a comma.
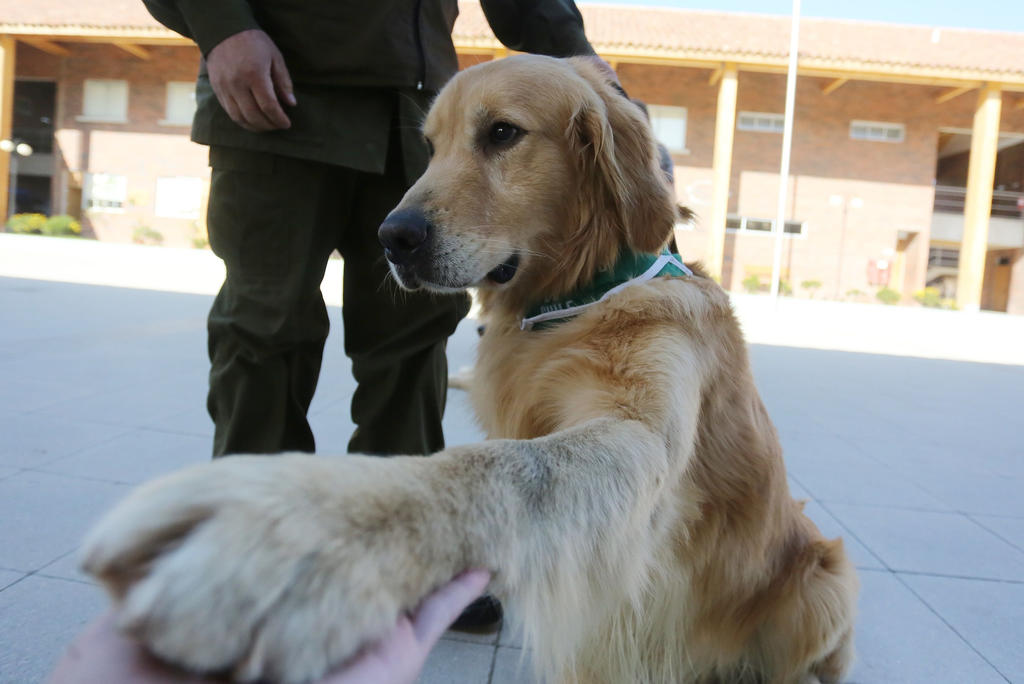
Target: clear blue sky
{"x": 1000, "y": 15}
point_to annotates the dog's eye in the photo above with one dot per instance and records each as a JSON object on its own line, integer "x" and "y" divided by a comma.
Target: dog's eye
{"x": 430, "y": 148}
{"x": 503, "y": 133}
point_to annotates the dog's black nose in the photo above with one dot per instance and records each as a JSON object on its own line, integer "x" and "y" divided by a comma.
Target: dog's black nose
{"x": 402, "y": 234}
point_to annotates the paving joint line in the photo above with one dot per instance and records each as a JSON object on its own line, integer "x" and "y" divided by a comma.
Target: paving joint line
{"x": 17, "y": 581}
{"x": 867, "y": 454}
{"x": 180, "y": 433}
{"x": 86, "y": 478}
{"x": 998, "y": 515}
{"x": 494, "y": 656}
{"x": 67, "y": 579}
{"x": 953, "y": 629}
{"x": 853, "y": 535}
{"x": 923, "y": 573}
{"x": 916, "y": 509}
{"x": 970, "y": 516}
{"x": 79, "y": 450}
{"x": 39, "y": 572}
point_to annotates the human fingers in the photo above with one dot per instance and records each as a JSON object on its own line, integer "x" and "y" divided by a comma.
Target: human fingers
{"x": 252, "y": 116}
{"x": 282, "y": 80}
{"x": 395, "y": 659}
{"x": 399, "y": 656}
{"x": 440, "y": 609}
{"x": 263, "y": 92}
{"x": 227, "y": 103}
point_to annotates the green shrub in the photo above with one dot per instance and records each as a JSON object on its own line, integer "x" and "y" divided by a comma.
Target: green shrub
{"x": 888, "y": 296}
{"x": 752, "y": 284}
{"x": 144, "y": 235}
{"x": 854, "y": 293}
{"x": 932, "y": 298}
{"x": 785, "y": 289}
{"x": 811, "y": 286}
{"x": 929, "y": 296}
{"x": 28, "y": 224}
{"x": 62, "y": 225}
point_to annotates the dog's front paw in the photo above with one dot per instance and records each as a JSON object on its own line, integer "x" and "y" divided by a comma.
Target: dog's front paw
{"x": 255, "y": 566}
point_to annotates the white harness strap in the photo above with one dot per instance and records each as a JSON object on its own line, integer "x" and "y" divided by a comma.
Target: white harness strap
{"x": 652, "y": 272}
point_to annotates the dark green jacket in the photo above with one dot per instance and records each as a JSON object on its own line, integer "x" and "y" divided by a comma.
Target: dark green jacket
{"x": 356, "y": 65}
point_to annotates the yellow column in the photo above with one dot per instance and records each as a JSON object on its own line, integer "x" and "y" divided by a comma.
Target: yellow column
{"x": 721, "y": 168}
{"x": 6, "y": 116}
{"x": 981, "y": 170}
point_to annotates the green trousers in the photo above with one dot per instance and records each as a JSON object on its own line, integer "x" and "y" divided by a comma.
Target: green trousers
{"x": 274, "y": 221}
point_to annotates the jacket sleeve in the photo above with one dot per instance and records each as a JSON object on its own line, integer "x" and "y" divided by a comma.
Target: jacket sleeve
{"x": 543, "y": 27}
{"x": 205, "y": 22}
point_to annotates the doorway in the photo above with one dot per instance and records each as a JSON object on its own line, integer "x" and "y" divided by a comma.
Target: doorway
{"x": 31, "y": 181}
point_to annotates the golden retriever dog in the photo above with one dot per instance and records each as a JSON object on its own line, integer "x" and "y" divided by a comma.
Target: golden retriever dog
{"x": 632, "y": 500}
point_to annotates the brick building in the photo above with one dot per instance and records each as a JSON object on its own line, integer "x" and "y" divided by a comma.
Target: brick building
{"x": 907, "y": 164}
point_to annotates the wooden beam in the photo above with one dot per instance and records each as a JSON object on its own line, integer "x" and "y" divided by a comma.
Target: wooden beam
{"x": 833, "y": 86}
{"x": 7, "y": 50}
{"x": 716, "y": 74}
{"x": 721, "y": 168}
{"x": 1020, "y": 105}
{"x": 135, "y": 50}
{"x": 981, "y": 171}
{"x": 47, "y": 46}
{"x": 951, "y": 93}
{"x": 500, "y": 53}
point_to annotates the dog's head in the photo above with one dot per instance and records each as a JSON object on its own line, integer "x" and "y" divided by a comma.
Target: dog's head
{"x": 541, "y": 173}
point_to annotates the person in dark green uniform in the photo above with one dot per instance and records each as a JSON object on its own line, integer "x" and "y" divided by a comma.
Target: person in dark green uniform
{"x": 312, "y": 110}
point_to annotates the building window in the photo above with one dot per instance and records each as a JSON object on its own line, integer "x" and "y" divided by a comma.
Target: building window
{"x": 104, "y": 101}
{"x": 761, "y": 122}
{"x": 669, "y": 124}
{"x": 181, "y": 103}
{"x": 105, "y": 192}
{"x": 877, "y": 131}
{"x": 35, "y": 108}
{"x": 179, "y": 197}
{"x": 761, "y": 226}
{"x": 943, "y": 257}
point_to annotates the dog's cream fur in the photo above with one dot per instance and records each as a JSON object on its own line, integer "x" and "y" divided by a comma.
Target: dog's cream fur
{"x": 632, "y": 503}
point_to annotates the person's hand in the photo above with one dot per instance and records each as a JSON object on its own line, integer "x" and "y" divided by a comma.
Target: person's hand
{"x": 102, "y": 654}
{"x": 399, "y": 657}
{"x": 250, "y": 80}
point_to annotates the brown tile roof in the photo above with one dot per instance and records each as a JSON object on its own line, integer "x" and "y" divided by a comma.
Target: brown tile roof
{"x": 708, "y": 35}
{"x": 96, "y": 14}
{"x": 651, "y": 33}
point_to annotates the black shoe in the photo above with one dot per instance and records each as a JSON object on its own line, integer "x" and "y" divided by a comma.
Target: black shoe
{"x": 482, "y": 616}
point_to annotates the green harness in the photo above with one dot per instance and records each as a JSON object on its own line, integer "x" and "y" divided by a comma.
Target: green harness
{"x": 632, "y": 268}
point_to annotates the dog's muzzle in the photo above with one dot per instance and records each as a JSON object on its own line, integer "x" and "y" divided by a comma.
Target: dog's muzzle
{"x": 403, "y": 235}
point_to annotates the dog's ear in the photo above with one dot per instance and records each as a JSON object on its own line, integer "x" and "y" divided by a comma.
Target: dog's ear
{"x": 615, "y": 144}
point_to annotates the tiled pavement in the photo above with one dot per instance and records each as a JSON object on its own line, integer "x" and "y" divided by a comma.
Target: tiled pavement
{"x": 918, "y": 463}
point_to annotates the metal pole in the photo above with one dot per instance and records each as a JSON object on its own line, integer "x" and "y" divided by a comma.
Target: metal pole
{"x": 787, "y": 144}
{"x": 842, "y": 240}
{"x": 13, "y": 192}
